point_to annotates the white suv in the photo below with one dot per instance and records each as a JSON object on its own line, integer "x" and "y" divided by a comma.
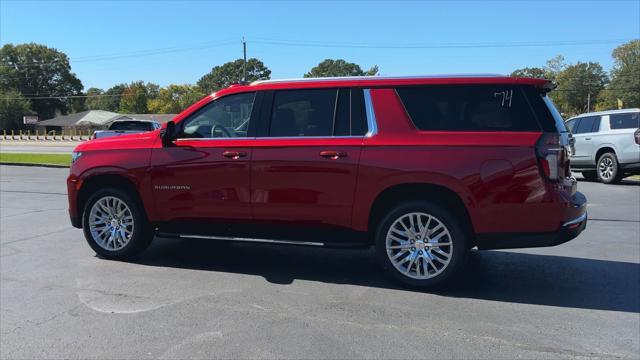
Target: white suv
{"x": 607, "y": 144}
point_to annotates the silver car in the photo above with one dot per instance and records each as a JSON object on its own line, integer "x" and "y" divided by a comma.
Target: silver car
{"x": 607, "y": 144}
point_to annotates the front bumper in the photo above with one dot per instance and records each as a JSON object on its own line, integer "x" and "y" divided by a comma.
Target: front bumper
{"x": 568, "y": 231}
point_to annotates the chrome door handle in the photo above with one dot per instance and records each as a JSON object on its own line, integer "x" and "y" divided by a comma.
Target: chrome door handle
{"x": 235, "y": 155}
{"x": 587, "y": 138}
{"x": 332, "y": 154}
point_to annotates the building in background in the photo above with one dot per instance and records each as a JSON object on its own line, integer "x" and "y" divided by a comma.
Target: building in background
{"x": 94, "y": 120}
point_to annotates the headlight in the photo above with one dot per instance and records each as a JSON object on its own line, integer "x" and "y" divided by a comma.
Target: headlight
{"x": 75, "y": 156}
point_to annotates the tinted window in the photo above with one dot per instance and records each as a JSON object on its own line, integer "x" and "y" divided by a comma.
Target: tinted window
{"x": 358, "y": 114}
{"x": 342, "y": 122}
{"x": 132, "y": 126}
{"x": 548, "y": 117}
{"x": 625, "y": 121}
{"x": 587, "y": 125}
{"x": 571, "y": 125}
{"x": 225, "y": 117}
{"x": 469, "y": 108}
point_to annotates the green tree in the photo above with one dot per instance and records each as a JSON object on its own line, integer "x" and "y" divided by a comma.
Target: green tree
{"x": 13, "y": 106}
{"x": 330, "y": 67}
{"x": 232, "y": 72}
{"x": 534, "y": 72}
{"x": 95, "y": 99}
{"x": 39, "y": 71}
{"x": 135, "y": 97}
{"x": 578, "y": 87}
{"x": 111, "y": 99}
{"x": 624, "y": 88}
{"x": 175, "y": 98}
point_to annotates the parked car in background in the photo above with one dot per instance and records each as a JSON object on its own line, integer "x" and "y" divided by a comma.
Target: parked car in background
{"x": 422, "y": 168}
{"x": 123, "y": 127}
{"x": 607, "y": 144}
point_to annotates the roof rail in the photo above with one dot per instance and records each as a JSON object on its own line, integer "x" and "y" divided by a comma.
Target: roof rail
{"x": 365, "y": 78}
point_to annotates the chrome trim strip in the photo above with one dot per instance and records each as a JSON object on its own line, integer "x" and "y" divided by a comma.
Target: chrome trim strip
{"x": 307, "y": 137}
{"x": 269, "y": 241}
{"x": 215, "y": 138}
{"x": 275, "y": 138}
{"x": 577, "y": 220}
{"x": 367, "y": 78}
{"x": 372, "y": 123}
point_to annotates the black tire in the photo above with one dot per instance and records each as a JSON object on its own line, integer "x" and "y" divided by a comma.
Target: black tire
{"x": 608, "y": 170}
{"x": 590, "y": 175}
{"x": 457, "y": 236}
{"x": 142, "y": 233}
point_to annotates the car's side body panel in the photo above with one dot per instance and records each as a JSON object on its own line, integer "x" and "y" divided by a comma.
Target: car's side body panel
{"x": 193, "y": 180}
{"x": 293, "y": 183}
{"x": 495, "y": 174}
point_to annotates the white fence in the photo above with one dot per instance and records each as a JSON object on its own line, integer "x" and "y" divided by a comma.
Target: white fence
{"x": 25, "y": 135}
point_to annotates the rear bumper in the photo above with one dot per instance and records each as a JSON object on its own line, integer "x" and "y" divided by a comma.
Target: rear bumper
{"x": 568, "y": 231}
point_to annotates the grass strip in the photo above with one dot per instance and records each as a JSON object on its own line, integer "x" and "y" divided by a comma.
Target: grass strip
{"x": 36, "y": 159}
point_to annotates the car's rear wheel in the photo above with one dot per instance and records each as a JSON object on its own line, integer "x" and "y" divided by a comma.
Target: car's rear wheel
{"x": 607, "y": 168}
{"x": 114, "y": 224}
{"x": 421, "y": 244}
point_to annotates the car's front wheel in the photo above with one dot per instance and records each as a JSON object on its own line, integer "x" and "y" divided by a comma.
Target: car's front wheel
{"x": 421, "y": 244}
{"x": 114, "y": 224}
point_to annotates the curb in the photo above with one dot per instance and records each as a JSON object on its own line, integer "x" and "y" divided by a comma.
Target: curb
{"x": 35, "y": 165}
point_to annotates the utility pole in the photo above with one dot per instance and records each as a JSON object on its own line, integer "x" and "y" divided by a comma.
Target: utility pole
{"x": 589, "y": 101}
{"x": 244, "y": 64}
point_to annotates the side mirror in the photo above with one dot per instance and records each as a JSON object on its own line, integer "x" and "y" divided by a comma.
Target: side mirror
{"x": 168, "y": 133}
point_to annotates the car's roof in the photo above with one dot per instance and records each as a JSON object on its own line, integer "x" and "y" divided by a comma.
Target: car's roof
{"x": 605, "y": 112}
{"x": 380, "y": 81}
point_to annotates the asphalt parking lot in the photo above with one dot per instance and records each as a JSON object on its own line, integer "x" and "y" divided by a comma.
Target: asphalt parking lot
{"x": 188, "y": 299}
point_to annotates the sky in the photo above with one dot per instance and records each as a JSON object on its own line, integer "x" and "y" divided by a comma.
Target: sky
{"x": 165, "y": 42}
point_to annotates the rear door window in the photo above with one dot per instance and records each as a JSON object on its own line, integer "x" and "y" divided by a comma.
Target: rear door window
{"x": 317, "y": 112}
{"x": 624, "y": 121}
{"x": 469, "y": 108}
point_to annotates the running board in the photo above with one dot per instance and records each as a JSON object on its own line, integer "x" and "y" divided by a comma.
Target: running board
{"x": 240, "y": 239}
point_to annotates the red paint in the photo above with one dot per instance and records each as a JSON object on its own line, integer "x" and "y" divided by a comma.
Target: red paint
{"x": 289, "y": 180}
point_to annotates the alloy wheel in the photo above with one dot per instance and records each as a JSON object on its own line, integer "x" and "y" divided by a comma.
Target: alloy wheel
{"x": 111, "y": 223}
{"x": 605, "y": 168}
{"x": 419, "y": 245}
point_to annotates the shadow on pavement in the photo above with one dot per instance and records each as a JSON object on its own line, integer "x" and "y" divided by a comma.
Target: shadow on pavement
{"x": 626, "y": 181}
{"x": 490, "y": 275}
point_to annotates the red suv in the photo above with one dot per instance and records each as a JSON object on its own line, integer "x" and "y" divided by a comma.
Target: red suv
{"x": 423, "y": 168}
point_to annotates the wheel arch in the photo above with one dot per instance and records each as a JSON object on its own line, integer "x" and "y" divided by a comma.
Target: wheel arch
{"x": 442, "y": 195}
{"x": 604, "y": 148}
{"x": 108, "y": 180}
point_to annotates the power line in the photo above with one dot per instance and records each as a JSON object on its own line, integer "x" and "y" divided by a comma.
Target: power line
{"x": 307, "y": 43}
{"x": 310, "y": 43}
{"x": 130, "y": 54}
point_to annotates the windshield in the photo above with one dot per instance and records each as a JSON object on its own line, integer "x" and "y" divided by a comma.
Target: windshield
{"x": 131, "y": 126}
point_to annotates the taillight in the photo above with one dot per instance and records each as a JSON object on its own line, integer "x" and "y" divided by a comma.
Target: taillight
{"x": 636, "y": 135}
{"x": 553, "y": 157}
